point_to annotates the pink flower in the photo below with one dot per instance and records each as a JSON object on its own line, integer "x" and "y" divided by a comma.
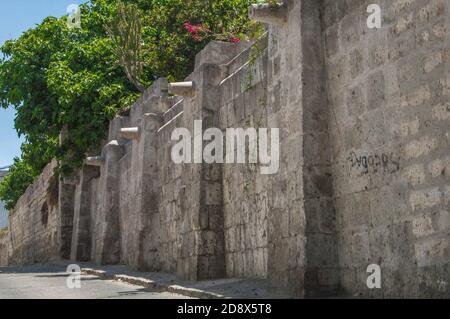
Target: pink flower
{"x": 190, "y": 28}
{"x": 199, "y": 33}
{"x": 197, "y": 38}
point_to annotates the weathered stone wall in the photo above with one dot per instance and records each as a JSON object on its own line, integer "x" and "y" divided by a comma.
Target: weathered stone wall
{"x": 244, "y": 104}
{"x": 34, "y": 222}
{"x": 303, "y": 247}
{"x": 5, "y": 248}
{"x": 388, "y": 90}
{"x": 85, "y": 202}
{"x": 168, "y": 215}
{"x": 364, "y": 160}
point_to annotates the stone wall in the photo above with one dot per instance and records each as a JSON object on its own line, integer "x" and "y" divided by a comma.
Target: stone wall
{"x": 34, "y": 222}
{"x": 364, "y": 160}
{"x": 245, "y": 194}
{"x": 388, "y": 90}
{"x": 168, "y": 216}
{"x": 5, "y": 248}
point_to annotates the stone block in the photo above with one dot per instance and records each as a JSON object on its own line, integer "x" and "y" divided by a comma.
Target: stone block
{"x": 423, "y": 226}
{"x": 268, "y": 13}
{"x": 425, "y": 199}
{"x": 376, "y": 90}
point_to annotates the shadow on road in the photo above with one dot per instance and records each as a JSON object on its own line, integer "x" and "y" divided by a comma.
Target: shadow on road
{"x": 32, "y": 269}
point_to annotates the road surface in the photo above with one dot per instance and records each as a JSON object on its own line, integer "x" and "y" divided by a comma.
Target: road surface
{"x": 50, "y": 282}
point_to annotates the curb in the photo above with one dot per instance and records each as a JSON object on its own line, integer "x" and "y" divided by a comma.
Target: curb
{"x": 148, "y": 283}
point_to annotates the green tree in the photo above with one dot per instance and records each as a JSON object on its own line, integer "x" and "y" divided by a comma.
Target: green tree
{"x": 56, "y": 77}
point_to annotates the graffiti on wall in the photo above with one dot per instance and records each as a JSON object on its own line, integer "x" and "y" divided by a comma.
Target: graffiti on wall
{"x": 374, "y": 162}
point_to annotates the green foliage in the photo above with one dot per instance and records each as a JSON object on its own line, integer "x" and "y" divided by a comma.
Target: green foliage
{"x": 35, "y": 156}
{"x": 57, "y": 77}
{"x": 15, "y": 184}
{"x": 170, "y": 47}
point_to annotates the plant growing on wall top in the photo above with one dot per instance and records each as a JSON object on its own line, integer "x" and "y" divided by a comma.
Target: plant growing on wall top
{"x": 200, "y": 33}
{"x": 125, "y": 32}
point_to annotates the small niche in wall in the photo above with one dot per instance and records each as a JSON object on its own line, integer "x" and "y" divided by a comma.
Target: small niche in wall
{"x": 44, "y": 214}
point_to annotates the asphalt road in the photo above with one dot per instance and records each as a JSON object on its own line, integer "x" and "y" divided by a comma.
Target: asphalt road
{"x": 50, "y": 282}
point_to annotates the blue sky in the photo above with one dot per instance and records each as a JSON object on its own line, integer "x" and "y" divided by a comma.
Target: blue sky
{"x": 17, "y": 16}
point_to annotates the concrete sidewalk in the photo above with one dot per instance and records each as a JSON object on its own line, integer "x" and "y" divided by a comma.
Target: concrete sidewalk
{"x": 208, "y": 289}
